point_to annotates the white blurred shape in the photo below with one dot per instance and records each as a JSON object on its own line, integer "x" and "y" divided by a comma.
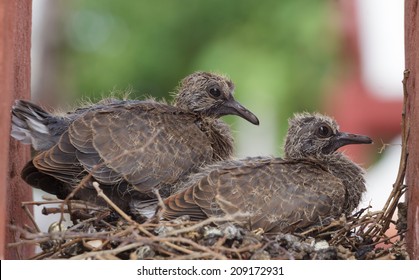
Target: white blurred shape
{"x": 38, "y": 17}
{"x": 381, "y": 176}
{"x": 381, "y": 30}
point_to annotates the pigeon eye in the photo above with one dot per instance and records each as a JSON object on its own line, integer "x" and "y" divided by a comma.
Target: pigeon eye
{"x": 324, "y": 131}
{"x": 215, "y": 92}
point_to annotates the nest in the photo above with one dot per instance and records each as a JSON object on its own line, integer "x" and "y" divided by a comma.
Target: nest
{"x": 102, "y": 233}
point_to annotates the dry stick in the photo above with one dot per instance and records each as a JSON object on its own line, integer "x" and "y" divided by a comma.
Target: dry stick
{"x": 192, "y": 256}
{"x": 31, "y": 217}
{"x": 226, "y": 218}
{"x": 39, "y": 203}
{"x": 168, "y": 242}
{"x": 107, "y": 257}
{"x": 49, "y": 211}
{"x": 101, "y": 194}
{"x": 367, "y": 219}
{"x": 391, "y": 204}
{"x": 41, "y": 255}
{"x": 171, "y": 223}
{"x": 370, "y": 217}
{"x": 57, "y": 210}
{"x": 383, "y": 146}
{"x": 63, "y": 246}
{"x": 387, "y": 238}
{"x": 163, "y": 251}
{"x": 106, "y": 252}
{"x": 161, "y": 207}
{"x": 341, "y": 233}
{"x": 192, "y": 243}
{"x": 243, "y": 249}
{"x": 220, "y": 242}
{"x": 82, "y": 223}
{"x": 31, "y": 238}
{"x": 321, "y": 229}
{"x": 178, "y": 248}
{"x": 75, "y": 204}
{"x": 72, "y": 194}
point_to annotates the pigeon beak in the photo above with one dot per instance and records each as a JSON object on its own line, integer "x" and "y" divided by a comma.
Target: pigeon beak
{"x": 342, "y": 139}
{"x": 232, "y": 107}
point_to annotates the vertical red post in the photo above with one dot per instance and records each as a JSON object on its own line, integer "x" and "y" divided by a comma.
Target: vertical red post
{"x": 15, "y": 43}
{"x": 412, "y": 115}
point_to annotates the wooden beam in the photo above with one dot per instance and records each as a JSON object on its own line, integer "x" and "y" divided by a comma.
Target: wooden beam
{"x": 412, "y": 116}
{"x": 15, "y": 43}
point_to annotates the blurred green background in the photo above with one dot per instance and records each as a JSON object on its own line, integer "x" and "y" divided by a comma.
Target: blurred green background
{"x": 281, "y": 55}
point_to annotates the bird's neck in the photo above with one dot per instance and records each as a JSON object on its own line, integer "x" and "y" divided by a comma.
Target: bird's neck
{"x": 220, "y": 136}
{"x": 351, "y": 176}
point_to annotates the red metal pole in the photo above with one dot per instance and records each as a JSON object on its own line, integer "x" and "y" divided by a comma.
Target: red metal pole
{"x": 412, "y": 115}
{"x": 15, "y": 43}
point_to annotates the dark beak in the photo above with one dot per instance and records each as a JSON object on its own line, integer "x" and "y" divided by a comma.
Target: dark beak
{"x": 232, "y": 107}
{"x": 342, "y": 139}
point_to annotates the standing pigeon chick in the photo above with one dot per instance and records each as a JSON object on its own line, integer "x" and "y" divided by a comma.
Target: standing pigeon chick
{"x": 312, "y": 183}
{"x": 131, "y": 148}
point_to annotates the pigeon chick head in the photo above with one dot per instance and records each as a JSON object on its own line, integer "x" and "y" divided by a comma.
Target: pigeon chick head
{"x": 211, "y": 95}
{"x": 316, "y": 135}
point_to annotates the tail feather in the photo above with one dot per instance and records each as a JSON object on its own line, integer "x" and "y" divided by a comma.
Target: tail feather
{"x": 33, "y": 125}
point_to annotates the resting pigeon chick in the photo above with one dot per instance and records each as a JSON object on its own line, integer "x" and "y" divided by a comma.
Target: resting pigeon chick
{"x": 131, "y": 148}
{"x": 33, "y": 125}
{"x": 312, "y": 183}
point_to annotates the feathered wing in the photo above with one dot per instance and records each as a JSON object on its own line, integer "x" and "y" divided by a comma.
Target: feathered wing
{"x": 47, "y": 183}
{"x": 196, "y": 197}
{"x": 183, "y": 204}
{"x": 271, "y": 194}
{"x": 145, "y": 145}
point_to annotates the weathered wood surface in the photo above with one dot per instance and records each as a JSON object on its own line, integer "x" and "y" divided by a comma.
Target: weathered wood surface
{"x": 412, "y": 114}
{"x": 15, "y": 42}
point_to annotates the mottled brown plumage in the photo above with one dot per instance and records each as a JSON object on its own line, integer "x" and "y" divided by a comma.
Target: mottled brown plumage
{"x": 311, "y": 184}
{"x": 131, "y": 147}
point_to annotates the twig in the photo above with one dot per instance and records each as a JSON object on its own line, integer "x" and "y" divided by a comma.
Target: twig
{"x": 193, "y": 256}
{"x": 39, "y": 203}
{"x": 31, "y": 217}
{"x": 106, "y": 252}
{"x": 388, "y": 238}
{"x": 398, "y": 187}
{"x": 192, "y": 243}
{"x": 101, "y": 194}
{"x": 161, "y": 207}
{"x": 210, "y": 220}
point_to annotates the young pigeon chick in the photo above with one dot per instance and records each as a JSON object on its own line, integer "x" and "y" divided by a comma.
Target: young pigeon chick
{"x": 33, "y": 125}
{"x": 131, "y": 148}
{"x": 312, "y": 183}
